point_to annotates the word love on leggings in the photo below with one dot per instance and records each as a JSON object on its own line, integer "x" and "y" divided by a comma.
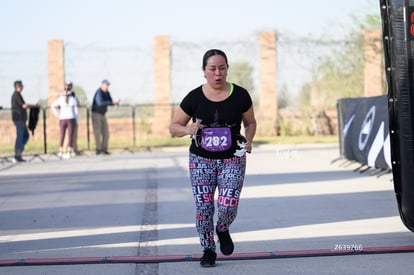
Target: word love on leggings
{"x": 204, "y": 193}
{"x": 227, "y": 197}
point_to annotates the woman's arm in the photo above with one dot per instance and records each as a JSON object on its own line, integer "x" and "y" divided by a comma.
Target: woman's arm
{"x": 249, "y": 122}
{"x": 55, "y": 107}
{"x": 179, "y": 125}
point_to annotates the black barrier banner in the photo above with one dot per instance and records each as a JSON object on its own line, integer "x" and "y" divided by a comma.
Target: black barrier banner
{"x": 364, "y": 134}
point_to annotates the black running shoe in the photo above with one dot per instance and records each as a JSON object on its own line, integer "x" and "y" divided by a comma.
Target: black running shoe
{"x": 19, "y": 159}
{"x": 226, "y": 243}
{"x": 208, "y": 259}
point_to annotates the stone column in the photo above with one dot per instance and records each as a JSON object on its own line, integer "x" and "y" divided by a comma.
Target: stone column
{"x": 162, "y": 78}
{"x": 373, "y": 84}
{"x": 267, "y": 115}
{"x": 56, "y": 76}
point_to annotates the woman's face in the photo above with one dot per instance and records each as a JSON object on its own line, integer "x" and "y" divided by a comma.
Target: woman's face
{"x": 216, "y": 71}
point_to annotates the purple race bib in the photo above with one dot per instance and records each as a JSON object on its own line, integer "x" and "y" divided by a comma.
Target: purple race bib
{"x": 216, "y": 139}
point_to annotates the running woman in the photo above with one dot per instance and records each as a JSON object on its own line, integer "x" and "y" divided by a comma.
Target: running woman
{"x": 218, "y": 150}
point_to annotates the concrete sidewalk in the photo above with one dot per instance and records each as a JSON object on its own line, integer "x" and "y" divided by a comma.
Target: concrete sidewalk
{"x": 294, "y": 198}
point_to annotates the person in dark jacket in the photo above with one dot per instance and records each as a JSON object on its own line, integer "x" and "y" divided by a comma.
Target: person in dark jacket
{"x": 19, "y": 117}
{"x": 101, "y": 101}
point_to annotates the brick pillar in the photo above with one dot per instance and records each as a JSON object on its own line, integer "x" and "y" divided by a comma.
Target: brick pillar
{"x": 267, "y": 115}
{"x": 162, "y": 78}
{"x": 56, "y": 76}
{"x": 372, "y": 63}
{"x": 56, "y": 69}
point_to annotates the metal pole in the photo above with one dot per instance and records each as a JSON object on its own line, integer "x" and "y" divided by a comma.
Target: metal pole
{"x": 88, "y": 133}
{"x": 44, "y": 131}
{"x": 134, "y": 137}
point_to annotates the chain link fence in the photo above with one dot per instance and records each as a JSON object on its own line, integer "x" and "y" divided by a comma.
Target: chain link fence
{"x": 130, "y": 69}
{"x": 30, "y": 67}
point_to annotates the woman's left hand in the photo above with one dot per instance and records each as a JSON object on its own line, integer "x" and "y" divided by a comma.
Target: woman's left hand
{"x": 248, "y": 147}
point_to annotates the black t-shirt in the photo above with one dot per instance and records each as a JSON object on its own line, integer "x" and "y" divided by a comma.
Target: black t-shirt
{"x": 227, "y": 112}
{"x": 18, "y": 113}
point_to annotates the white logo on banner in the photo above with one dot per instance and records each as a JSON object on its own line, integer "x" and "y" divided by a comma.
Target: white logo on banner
{"x": 348, "y": 125}
{"x": 366, "y": 129}
{"x": 377, "y": 145}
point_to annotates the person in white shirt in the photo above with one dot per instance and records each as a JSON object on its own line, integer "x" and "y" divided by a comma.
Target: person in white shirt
{"x": 75, "y": 128}
{"x": 66, "y": 109}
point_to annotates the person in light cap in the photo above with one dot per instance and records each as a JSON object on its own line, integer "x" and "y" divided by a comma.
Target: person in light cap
{"x": 69, "y": 89}
{"x": 66, "y": 109}
{"x": 101, "y": 101}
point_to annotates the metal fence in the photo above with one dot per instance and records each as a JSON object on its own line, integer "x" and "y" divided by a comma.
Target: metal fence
{"x": 130, "y": 126}
{"x": 130, "y": 69}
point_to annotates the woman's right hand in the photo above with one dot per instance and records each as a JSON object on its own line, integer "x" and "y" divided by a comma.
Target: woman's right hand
{"x": 193, "y": 128}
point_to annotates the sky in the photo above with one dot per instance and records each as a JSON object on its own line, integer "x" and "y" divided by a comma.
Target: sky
{"x": 27, "y": 25}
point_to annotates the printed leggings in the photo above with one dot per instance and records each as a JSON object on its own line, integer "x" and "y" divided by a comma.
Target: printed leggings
{"x": 206, "y": 175}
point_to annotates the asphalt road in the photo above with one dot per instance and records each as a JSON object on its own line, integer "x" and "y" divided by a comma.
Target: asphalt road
{"x": 139, "y": 204}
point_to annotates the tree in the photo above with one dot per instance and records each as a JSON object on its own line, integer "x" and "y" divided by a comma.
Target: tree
{"x": 241, "y": 74}
{"x": 80, "y": 95}
{"x": 44, "y": 102}
{"x": 340, "y": 73}
{"x": 283, "y": 99}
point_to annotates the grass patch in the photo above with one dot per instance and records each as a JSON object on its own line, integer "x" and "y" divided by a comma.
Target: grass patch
{"x": 115, "y": 144}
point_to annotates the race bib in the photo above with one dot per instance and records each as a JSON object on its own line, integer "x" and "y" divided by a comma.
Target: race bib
{"x": 216, "y": 139}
